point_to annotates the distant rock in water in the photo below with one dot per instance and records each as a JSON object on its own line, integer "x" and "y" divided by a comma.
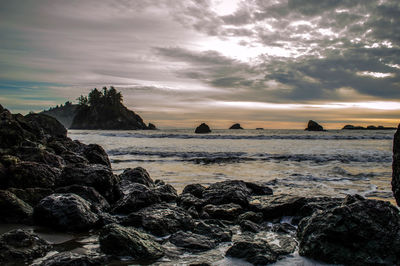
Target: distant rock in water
{"x": 314, "y": 126}
{"x": 104, "y": 110}
{"x": 64, "y": 113}
{"x": 151, "y": 126}
{"x": 260, "y": 128}
{"x": 202, "y": 129}
{"x": 396, "y": 166}
{"x": 236, "y": 126}
{"x": 351, "y": 127}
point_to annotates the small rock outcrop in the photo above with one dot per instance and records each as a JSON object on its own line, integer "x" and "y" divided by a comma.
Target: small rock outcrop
{"x": 19, "y": 247}
{"x": 359, "y": 232}
{"x": 66, "y": 212}
{"x": 202, "y": 129}
{"x": 151, "y": 126}
{"x": 396, "y": 166}
{"x": 236, "y": 126}
{"x": 351, "y": 127}
{"x": 126, "y": 241}
{"x": 314, "y": 126}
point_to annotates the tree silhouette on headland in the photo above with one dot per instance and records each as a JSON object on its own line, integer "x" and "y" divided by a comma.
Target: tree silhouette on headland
{"x": 106, "y": 97}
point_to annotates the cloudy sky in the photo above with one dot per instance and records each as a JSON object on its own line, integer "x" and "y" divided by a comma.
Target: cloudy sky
{"x": 263, "y": 63}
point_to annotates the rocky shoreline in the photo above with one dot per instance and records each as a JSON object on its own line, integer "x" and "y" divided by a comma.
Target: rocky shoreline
{"x": 48, "y": 180}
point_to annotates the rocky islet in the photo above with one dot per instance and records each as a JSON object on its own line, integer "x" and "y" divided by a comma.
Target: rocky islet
{"x": 73, "y": 186}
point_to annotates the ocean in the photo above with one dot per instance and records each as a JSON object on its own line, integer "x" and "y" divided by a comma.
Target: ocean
{"x": 329, "y": 163}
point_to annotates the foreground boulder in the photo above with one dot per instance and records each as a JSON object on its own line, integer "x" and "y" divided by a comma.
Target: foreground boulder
{"x": 161, "y": 219}
{"x": 192, "y": 241}
{"x": 97, "y": 176}
{"x": 314, "y": 126}
{"x": 123, "y": 241}
{"x": 202, "y": 129}
{"x": 236, "y": 126}
{"x": 359, "y": 232}
{"x": 87, "y": 193}
{"x": 289, "y": 205}
{"x": 65, "y": 212}
{"x": 396, "y": 166}
{"x": 75, "y": 259}
{"x": 255, "y": 252}
{"x": 137, "y": 175}
{"x": 13, "y": 209}
{"x": 21, "y": 246}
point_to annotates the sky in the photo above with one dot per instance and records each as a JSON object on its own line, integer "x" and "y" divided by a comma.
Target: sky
{"x": 270, "y": 63}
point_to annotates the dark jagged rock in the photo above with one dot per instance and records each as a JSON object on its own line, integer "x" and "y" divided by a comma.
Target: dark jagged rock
{"x": 247, "y": 225}
{"x": 359, "y": 232}
{"x": 123, "y": 241}
{"x": 257, "y": 252}
{"x": 13, "y": 209}
{"x": 194, "y": 189}
{"x": 74, "y": 259}
{"x": 166, "y": 192}
{"x": 18, "y": 247}
{"x": 65, "y": 212}
{"x": 161, "y": 219}
{"x": 258, "y": 189}
{"x": 251, "y": 216}
{"x": 97, "y": 176}
{"x": 32, "y": 196}
{"x": 202, "y": 129}
{"x": 138, "y": 197}
{"x": 87, "y": 193}
{"x": 151, "y": 126}
{"x": 31, "y": 174}
{"x": 236, "y": 126}
{"x": 396, "y": 166}
{"x": 192, "y": 241}
{"x": 227, "y": 192}
{"x": 225, "y": 211}
{"x": 49, "y": 124}
{"x": 95, "y": 154}
{"x": 137, "y": 175}
{"x": 218, "y": 233}
{"x": 314, "y": 126}
{"x": 287, "y": 205}
{"x": 40, "y": 155}
{"x": 187, "y": 201}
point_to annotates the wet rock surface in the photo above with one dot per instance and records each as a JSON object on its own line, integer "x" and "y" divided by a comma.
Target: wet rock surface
{"x": 126, "y": 241}
{"x": 21, "y": 246}
{"x": 69, "y": 258}
{"x": 161, "y": 219}
{"x": 359, "y": 232}
{"x": 192, "y": 241}
{"x": 65, "y": 211}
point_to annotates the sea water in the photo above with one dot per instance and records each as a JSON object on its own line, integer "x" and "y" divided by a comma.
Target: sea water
{"x": 329, "y": 163}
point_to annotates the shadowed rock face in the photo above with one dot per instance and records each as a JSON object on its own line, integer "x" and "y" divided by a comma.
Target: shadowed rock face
{"x": 203, "y": 129}
{"x": 359, "y": 232}
{"x": 314, "y": 126}
{"x": 396, "y": 166}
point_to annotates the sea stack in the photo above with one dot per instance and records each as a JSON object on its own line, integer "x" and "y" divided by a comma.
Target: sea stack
{"x": 314, "y": 126}
{"x": 202, "y": 129}
{"x": 151, "y": 126}
{"x": 396, "y": 166}
{"x": 236, "y": 126}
